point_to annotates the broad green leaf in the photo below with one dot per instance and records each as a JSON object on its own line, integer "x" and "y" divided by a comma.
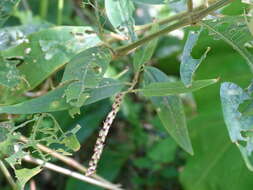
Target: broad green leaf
{"x": 239, "y": 126}
{"x": 85, "y": 71}
{"x": 54, "y": 101}
{"x": 150, "y": 1}
{"x": 25, "y": 174}
{"x": 47, "y": 51}
{"x": 6, "y": 8}
{"x": 120, "y": 14}
{"x": 144, "y": 54}
{"x": 15, "y": 35}
{"x": 188, "y": 64}
{"x": 217, "y": 162}
{"x": 171, "y": 88}
{"x": 235, "y": 32}
{"x": 170, "y": 110}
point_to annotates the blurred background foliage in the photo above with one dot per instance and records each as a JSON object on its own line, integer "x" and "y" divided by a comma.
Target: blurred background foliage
{"x": 139, "y": 153}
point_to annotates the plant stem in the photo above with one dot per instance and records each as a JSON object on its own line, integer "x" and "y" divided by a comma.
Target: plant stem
{"x": 67, "y": 160}
{"x": 70, "y": 173}
{"x": 43, "y": 8}
{"x": 8, "y": 175}
{"x": 59, "y": 11}
{"x": 190, "y": 5}
{"x": 195, "y": 16}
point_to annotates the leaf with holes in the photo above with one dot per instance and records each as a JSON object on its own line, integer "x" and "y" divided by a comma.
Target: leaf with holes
{"x": 188, "y": 64}
{"x": 120, "y": 14}
{"x": 239, "y": 126}
{"x": 170, "y": 110}
{"x": 9, "y": 74}
{"x": 85, "y": 71}
{"x": 46, "y": 52}
{"x": 235, "y": 32}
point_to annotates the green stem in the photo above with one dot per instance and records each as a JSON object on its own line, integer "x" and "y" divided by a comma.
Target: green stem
{"x": 195, "y": 16}
{"x": 43, "y": 8}
{"x": 8, "y": 175}
{"x": 59, "y": 11}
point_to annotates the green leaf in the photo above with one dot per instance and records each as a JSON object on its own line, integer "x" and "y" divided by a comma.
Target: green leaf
{"x": 85, "y": 71}
{"x": 120, "y": 14}
{"x": 217, "y": 163}
{"x": 163, "y": 151}
{"x": 15, "y": 35}
{"x": 239, "y": 126}
{"x": 170, "y": 111}
{"x": 54, "y": 101}
{"x": 9, "y": 74}
{"x": 6, "y": 8}
{"x": 47, "y": 51}
{"x": 189, "y": 65}
{"x": 234, "y": 31}
{"x": 24, "y": 175}
{"x": 150, "y": 1}
{"x": 171, "y": 88}
{"x": 144, "y": 54}
{"x": 71, "y": 141}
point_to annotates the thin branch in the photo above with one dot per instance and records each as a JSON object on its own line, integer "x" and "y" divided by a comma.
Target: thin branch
{"x": 8, "y": 175}
{"x": 190, "y": 5}
{"x": 60, "y": 11}
{"x": 70, "y": 173}
{"x": 196, "y": 16}
{"x": 67, "y": 160}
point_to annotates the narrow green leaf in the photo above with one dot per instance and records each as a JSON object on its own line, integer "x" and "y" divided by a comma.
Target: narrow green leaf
{"x": 189, "y": 65}
{"x": 24, "y": 175}
{"x": 170, "y": 110}
{"x": 120, "y": 14}
{"x": 171, "y": 88}
{"x": 144, "y": 54}
{"x": 85, "y": 71}
{"x": 239, "y": 126}
{"x": 6, "y": 8}
{"x": 234, "y": 31}
{"x": 46, "y": 51}
{"x": 54, "y": 101}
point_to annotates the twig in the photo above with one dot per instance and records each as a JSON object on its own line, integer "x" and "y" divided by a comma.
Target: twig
{"x": 67, "y": 160}
{"x": 59, "y": 11}
{"x": 189, "y": 5}
{"x": 8, "y": 175}
{"x": 196, "y": 16}
{"x": 70, "y": 173}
